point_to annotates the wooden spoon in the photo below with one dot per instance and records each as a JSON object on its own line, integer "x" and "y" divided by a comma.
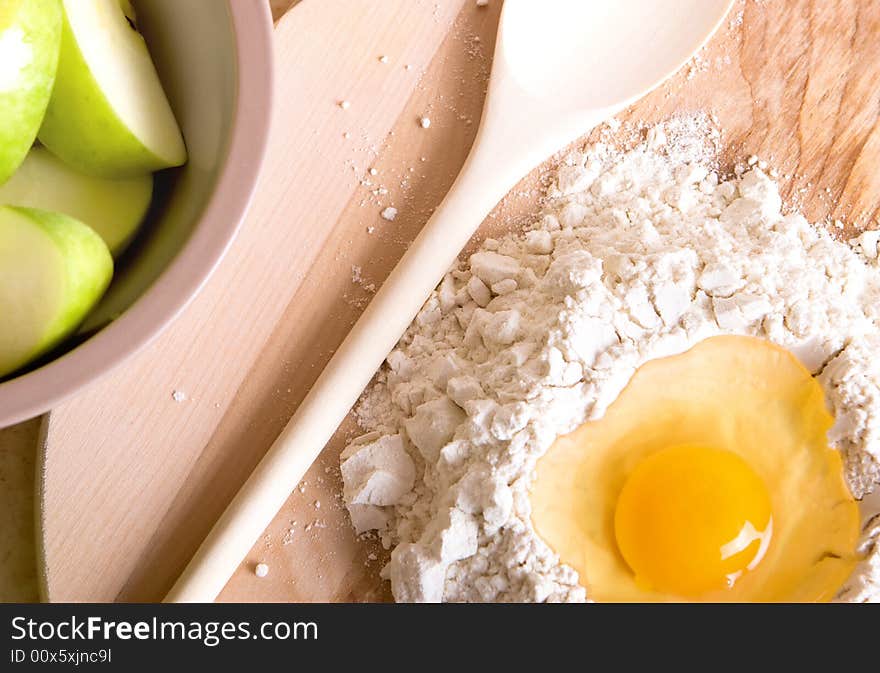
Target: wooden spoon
{"x": 560, "y": 67}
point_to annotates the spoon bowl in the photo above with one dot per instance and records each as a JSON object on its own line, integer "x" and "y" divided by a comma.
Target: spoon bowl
{"x": 563, "y": 66}
{"x": 597, "y": 54}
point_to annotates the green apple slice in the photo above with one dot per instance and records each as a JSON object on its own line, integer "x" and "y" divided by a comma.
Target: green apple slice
{"x": 53, "y": 269}
{"x": 108, "y": 114}
{"x": 113, "y": 208}
{"x": 30, "y": 35}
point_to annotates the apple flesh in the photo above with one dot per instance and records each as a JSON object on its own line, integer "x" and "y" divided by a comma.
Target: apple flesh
{"x": 113, "y": 208}
{"x": 30, "y": 36}
{"x": 53, "y": 269}
{"x": 108, "y": 114}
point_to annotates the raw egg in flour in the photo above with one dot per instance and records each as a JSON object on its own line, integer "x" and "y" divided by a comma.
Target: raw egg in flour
{"x": 710, "y": 478}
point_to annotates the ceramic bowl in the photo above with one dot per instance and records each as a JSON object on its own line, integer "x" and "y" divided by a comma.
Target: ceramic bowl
{"x": 215, "y": 61}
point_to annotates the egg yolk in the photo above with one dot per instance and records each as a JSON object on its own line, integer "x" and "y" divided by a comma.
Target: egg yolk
{"x": 674, "y": 492}
{"x": 692, "y": 519}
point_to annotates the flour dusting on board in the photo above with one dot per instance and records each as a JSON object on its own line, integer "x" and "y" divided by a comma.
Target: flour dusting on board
{"x": 638, "y": 254}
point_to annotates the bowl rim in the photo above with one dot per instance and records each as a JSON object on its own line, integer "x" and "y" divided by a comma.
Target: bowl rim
{"x": 26, "y": 396}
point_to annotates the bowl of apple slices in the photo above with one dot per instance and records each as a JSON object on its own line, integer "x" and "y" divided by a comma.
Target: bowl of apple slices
{"x": 131, "y": 136}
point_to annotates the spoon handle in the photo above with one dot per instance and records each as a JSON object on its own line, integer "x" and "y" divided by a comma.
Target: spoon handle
{"x": 479, "y": 186}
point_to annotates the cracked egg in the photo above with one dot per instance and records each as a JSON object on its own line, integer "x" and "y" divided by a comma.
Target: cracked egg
{"x": 710, "y": 478}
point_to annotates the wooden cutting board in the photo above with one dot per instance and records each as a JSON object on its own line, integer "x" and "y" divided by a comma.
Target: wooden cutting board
{"x": 133, "y": 480}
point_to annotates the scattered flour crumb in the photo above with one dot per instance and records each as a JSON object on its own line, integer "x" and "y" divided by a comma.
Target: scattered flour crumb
{"x": 389, "y": 213}
{"x": 261, "y": 570}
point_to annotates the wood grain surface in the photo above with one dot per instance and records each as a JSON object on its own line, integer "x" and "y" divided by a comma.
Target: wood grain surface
{"x": 18, "y": 576}
{"x": 133, "y": 480}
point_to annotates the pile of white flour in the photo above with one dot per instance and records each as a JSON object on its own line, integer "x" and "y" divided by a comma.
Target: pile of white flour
{"x": 638, "y": 255}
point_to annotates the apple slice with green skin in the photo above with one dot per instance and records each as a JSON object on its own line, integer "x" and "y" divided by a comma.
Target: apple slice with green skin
{"x": 113, "y": 208}
{"x": 108, "y": 114}
{"x": 53, "y": 270}
{"x": 30, "y": 35}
